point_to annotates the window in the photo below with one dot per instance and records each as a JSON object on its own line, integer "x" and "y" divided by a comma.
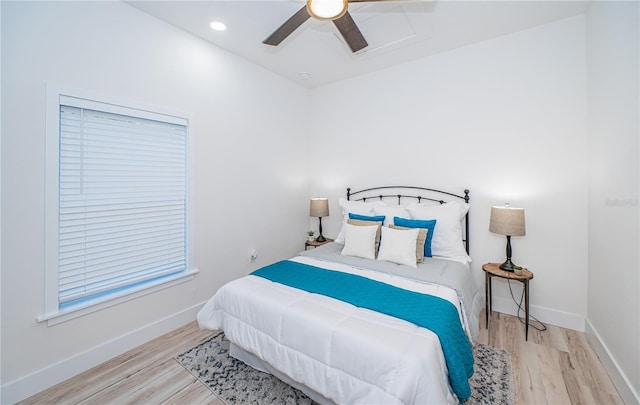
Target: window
{"x": 118, "y": 203}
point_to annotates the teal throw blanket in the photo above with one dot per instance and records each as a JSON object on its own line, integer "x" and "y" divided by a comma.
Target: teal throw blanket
{"x": 433, "y": 313}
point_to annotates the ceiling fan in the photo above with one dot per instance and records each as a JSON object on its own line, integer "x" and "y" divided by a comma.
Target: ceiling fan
{"x": 326, "y": 10}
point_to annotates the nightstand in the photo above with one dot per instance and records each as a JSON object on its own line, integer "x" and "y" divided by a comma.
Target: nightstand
{"x": 493, "y": 270}
{"x": 315, "y": 243}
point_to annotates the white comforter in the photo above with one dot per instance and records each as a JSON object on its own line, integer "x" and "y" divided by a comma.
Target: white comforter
{"x": 347, "y": 354}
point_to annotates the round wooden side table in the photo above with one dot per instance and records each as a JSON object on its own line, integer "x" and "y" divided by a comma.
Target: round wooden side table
{"x": 493, "y": 270}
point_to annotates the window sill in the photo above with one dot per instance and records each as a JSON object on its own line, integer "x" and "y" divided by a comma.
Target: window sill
{"x": 88, "y": 307}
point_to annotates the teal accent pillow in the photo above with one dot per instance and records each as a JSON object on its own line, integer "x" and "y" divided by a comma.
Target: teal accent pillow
{"x": 429, "y": 224}
{"x": 377, "y": 218}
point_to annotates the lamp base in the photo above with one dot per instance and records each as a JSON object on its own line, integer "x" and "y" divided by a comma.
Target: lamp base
{"x": 320, "y": 238}
{"x": 508, "y": 266}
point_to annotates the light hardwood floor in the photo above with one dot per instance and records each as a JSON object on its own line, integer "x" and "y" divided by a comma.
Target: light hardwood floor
{"x": 556, "y": 366}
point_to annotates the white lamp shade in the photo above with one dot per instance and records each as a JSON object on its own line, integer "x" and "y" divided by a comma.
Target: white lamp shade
{"x": 319, "y": 207}
{"x": 507, "y": 221}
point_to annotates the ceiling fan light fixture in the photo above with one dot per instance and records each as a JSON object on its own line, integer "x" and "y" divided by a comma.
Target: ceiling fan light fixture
{"x": 326, "y": 9}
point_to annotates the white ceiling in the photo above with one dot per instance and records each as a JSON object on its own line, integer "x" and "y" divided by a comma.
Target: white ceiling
{"x": 397, "y": 31}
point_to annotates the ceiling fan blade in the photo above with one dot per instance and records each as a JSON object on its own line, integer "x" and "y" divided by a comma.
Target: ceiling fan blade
{"x": 350, "y": 32}
{"x": 288, "y": 27}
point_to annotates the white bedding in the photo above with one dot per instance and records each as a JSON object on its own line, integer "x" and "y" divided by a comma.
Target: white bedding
{"x": 349, "y": 355}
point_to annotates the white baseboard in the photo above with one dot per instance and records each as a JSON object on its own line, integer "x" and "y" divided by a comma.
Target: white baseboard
{"x": 627, "y": 392}
{"x": 545, "y": 315}
{"x": 49, "y": 376}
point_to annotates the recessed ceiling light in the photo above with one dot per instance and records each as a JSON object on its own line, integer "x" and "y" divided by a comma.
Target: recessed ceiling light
{"x": 218, "y": 26}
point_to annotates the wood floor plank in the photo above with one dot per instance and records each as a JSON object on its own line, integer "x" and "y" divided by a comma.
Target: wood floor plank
{"x": 573, "y": 381}
{"x": 530, "y": 384}
{"x": 161, "y": 388}
{"x": 595, "y": 379}
{"x": 550, "y": 367}
{"x": 194, "y": 393}
{"x": 556, "y": 366}
{"x": 134, "y": 387}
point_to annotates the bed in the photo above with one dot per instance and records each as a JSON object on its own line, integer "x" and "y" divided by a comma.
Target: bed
{"x": 347, "y": 326}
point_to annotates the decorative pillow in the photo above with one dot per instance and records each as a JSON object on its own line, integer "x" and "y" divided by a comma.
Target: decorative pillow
{"x": 422, "y": 238}
{"x": 355, "y": 207}
{"x": 358, "y": 222}
{"x": 375, "y": 218}
{"x": 447, "y": 238}
{"x": 399, "y": 246}
{"x": 359, "y": 241}
{"x": 390, "y": 211}
{"x": 429, "y": 225}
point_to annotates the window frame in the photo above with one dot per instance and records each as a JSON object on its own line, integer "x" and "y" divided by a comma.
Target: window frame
{"x": 55, "y": 95}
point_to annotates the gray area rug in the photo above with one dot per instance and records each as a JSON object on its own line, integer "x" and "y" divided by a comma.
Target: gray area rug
{"x": 236, "y": 383}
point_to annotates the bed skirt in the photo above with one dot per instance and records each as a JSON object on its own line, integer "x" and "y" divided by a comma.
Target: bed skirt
{"x": 255, "y": 362}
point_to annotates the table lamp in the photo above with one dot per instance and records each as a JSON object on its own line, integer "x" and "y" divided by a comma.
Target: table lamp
{"x": 319, "y": 207}
{"x": 510, "y": 222}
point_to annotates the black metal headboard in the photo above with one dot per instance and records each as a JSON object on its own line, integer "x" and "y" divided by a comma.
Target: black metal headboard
{"x": 422, "y": 193}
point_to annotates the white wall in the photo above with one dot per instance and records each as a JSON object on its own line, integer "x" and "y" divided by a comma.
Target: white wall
{"x": 613, "y": 322}
{"x": 505, "y": 118}
{"x": 241, "y": 111}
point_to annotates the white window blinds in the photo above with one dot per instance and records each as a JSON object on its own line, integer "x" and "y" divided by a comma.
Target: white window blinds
{"x": 122, "y": 201}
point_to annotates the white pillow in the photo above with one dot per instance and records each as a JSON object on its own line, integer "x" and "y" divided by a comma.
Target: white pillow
{"x": 447, "y": 234}
{"x": 355, "y": 207}
{"x": 390, "y": 211}
{"x": 360, "y": 241}
{"x": 399, "y": 246}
